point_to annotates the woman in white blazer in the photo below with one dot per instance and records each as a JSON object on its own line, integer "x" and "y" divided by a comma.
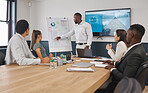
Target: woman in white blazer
{"x": 121, "y": 47}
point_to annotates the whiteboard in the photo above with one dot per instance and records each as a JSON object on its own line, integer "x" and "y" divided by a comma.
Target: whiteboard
{"x": 58, "y": 27}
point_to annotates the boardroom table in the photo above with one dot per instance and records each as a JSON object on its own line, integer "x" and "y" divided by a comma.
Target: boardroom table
{"x": 43, "y": 79}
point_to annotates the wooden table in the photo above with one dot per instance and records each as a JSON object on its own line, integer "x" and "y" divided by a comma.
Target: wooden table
{"x": 41, "y": 79}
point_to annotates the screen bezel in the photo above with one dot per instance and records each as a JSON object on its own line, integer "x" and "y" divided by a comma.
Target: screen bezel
{"x": 98, "y": 33}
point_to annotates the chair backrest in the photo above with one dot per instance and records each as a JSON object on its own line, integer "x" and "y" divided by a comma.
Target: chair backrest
{"x": 128, "y": 85}
{"x": 34, "y": 53}
{"x": 2, "y": 58}
{"x": 142, "y": 74}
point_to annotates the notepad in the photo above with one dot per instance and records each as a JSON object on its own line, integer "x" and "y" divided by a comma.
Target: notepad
{"x": 87, "y": 59}
{"x": 99, "y": 64}
{"x": 104, "y": 59}
{"x": 80, "y": 69}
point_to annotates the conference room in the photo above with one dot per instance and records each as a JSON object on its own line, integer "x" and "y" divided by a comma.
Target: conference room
{"x": 73, "y": 46}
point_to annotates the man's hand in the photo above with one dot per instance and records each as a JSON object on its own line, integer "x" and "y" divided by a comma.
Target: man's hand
{"x": 45, "y": 60}
{"x": 87, "y": 47}
{"x": 58, "y": 38}
{"x": 108, "y": 62}
{"x": 109, "y": 67}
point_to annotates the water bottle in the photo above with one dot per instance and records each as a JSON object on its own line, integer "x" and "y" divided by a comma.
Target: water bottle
{"x": 63, "y": 57}
{"x": 53, "y": 64}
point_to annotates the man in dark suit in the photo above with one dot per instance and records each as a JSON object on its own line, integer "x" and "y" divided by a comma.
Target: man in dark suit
{"x": 134, "y": 56}
{"x": 132, "y": 59}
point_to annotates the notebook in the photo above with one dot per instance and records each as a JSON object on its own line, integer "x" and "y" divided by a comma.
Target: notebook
{"x": 103, "y": 59}
{"x": 99, "y": 64}
{"x": 80, "y": 69}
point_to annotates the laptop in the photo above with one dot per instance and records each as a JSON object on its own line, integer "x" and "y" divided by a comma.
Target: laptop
{"x": 85, "y": 53}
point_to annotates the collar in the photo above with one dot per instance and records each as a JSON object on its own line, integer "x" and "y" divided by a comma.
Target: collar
{"x": 133, "y": 46}
{"x": 20, "y": 36}
{"x": 129, "y": 50}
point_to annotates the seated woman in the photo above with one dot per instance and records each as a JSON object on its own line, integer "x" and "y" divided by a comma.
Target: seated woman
{"x": 121, "y": 47}
{"x": 38, "y": 48}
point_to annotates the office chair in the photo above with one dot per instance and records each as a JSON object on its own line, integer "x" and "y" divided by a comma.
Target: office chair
{"x": 128, "y": 85}
{"x": 2, "y": 59}
{"x": 142, "y": 74}
{"x": 34, "y": 53}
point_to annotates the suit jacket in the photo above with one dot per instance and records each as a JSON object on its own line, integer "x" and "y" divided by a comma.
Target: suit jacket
{"x": 129, "y": 64}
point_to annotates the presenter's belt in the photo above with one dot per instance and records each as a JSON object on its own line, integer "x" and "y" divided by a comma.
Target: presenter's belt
{"x": 81, "y": 43}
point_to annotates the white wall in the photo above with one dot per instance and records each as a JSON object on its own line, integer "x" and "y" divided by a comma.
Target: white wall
{"x": 41, "y": 9}
{"x": 23, "y": 10}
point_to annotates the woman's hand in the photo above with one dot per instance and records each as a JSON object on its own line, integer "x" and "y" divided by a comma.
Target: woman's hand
{"x": 109, "y": 46}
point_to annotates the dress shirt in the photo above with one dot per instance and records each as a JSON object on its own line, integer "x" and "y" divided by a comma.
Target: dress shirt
{"x": 83, "y": 33}
{"x": 131, "y": 47}
{"x": 19, "y": 52}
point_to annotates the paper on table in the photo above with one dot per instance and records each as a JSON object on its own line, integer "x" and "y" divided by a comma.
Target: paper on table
{"x": 88, "y": 59}
{"x": 80, "y": 69}
{"x": 104, "y": 59}
{"x": 96, "y": 62}
{"x": 99, "y": 64}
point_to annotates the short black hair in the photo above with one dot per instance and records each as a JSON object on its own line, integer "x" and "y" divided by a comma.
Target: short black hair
{"x": 138, "y": 28}
{"x": 78, "y": 14}
{"x": 21, "y": 26}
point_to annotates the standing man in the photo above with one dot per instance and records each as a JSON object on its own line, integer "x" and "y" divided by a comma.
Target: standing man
{"x": 82, "y": 31}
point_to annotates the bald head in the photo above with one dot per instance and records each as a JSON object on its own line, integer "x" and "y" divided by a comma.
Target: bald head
{"x": 135, "y": 33}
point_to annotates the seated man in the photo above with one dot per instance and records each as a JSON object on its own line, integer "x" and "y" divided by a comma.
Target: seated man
{"x": 18, "y": 50}
{"x": 131, "y": 61}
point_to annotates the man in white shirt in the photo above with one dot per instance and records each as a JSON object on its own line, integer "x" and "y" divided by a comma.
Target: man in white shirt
{"x": 17, "y": 50}
{"x": 82, "y": 31}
